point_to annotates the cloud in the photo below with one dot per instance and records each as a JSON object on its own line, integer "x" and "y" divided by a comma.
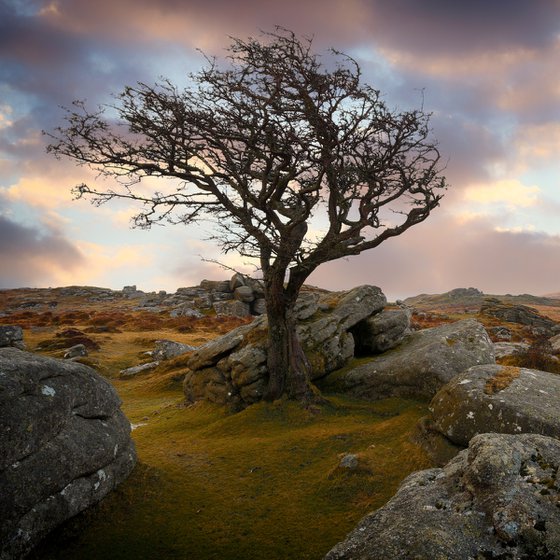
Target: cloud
{"x": 107, "y": 265}
{"x": 474, "y": 26}
{"x": 443, "y": 253}
{"x": 48, "y": 192}
{"x": 539, "y": 143}
{"x": 489, "y": 74}
{"x": 512, "y": 192}
{"x": 35, "y": 257}
{"x": 472, "y": 149}
{"x": 43, "y": 256}
{"x": 204, "y": 24}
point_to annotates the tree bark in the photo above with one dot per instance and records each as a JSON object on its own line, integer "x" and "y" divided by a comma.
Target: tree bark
{"x": 287, "y": 364}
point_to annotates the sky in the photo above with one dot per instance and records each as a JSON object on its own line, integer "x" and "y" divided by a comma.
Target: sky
{"x": 487, "y": 70}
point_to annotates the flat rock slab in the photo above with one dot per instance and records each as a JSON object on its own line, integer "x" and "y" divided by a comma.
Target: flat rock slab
{"x": 494, "y": 398}
{"x": 504, "y": 349}
{"x": 422, "y": 363}
{"x": 497, "y": 499}
{"x": 64, "y": 445}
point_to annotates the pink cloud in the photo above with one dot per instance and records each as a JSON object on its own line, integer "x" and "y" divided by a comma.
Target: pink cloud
{"x": 442, "y": 254}
{"x": 35, "y": 257}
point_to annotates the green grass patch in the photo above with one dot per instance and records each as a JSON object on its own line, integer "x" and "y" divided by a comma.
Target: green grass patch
{"x": 265, "y": 482}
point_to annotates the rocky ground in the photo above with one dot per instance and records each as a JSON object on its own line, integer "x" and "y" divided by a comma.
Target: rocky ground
{"x": 207, "y": 343}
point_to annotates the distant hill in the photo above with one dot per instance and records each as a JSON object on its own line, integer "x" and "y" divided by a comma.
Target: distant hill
{"x": 555, "y": 295}
{"x": 472, "y": 297}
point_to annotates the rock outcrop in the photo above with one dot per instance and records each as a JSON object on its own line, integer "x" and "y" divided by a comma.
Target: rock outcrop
{"x": 521, "y": 314}
{"x": 498, "y": 499}
{"x": 500, "y": 333}
{"x": 422, "y": 363}
{"x": 232, "y": 369}
{"x": 382, "y": 331}
{"x": 494, "y": 398}
{"x": 64, "y": 445}
{"x": 11, "y": 335}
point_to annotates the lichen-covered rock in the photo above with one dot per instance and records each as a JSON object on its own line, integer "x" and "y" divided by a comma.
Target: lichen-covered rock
{"x": 555, "y": 344}
{"x": 64, "y": 445}
{"x": 236, "y": 280}
{"x": 135, "y": 370}
{"x": 498, "y": 499}
{"x": 232, "y": 369}
{"x": 232, "y": 308}
{"x": 216, "y": 286}
{"x": 186, "y": 310}
{"x": 258, "y": 307}
{"x": 500, "y": 333}
{"x": 382, "y": 331}
{"x": 422, "y": 363}
{"x": 244, "y": 294}
{"x": 11, "y": 335}
{"x": 494, "y": 398}
{"x": 167, "y": 349}
{"x": 76, "y": 351}
{"x": 504, "y": 349}
{"x": 359, "y": 303}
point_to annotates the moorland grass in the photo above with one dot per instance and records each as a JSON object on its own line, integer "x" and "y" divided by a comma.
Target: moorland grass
{"x": 265, "y": 482}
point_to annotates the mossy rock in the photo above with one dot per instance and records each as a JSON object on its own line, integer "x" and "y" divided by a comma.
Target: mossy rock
{"x": 496, "y": 398}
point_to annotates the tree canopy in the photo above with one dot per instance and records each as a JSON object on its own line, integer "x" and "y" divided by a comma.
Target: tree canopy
{"x": 274, "y": 141}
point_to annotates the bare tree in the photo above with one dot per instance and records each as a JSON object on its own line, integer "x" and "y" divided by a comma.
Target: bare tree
{"x": 263, "y": 146}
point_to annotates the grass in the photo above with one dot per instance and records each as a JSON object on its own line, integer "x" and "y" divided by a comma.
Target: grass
{"x": 262, "y": 483}
{"x": 265, "y": 482}
{"x": 502, "y": 380}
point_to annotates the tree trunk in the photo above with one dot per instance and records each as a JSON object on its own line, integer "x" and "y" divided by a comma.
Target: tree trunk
{"x": 288, "y": 367}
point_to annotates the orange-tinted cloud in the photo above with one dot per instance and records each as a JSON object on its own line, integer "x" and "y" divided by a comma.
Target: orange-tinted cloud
{"x": 488, "y": 73}
{"x": 510, "y": 192}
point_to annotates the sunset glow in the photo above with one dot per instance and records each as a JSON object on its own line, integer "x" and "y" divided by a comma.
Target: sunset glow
{"x": 488, "y": 75}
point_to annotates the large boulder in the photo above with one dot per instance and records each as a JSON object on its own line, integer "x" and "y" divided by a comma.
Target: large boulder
{"x": 64, "y": 445}
{"x": 494, "y": 398}
{"x": 498, "y": 499}
{"x": 232, "y": 369}
{"x": 244, "y": 294}
{"x": 422, "y": 363}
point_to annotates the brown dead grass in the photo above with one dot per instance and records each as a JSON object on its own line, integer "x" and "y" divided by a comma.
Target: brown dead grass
{"x": 428, "y": 320}
{"x": 548, "y": 311}
{"x": 503, "y": 379}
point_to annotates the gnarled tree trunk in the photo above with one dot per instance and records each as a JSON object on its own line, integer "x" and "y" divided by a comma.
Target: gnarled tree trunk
{"x": 287, "y": 364}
